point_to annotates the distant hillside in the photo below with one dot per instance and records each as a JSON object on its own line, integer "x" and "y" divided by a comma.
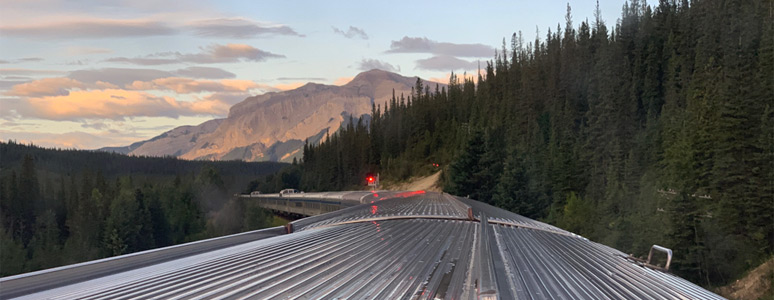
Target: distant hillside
{"x": 180, "y": 139}
{"x": 274, "y": 126}
{"x": 67, "y": 161}
{"x": 60, "y": 207}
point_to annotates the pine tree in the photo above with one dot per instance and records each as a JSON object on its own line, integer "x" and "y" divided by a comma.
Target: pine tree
{"x": 28, "y": 197}
{"x": 463, "y": 172}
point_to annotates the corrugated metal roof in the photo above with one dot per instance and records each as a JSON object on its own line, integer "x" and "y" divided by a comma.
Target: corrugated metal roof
{"x": 500, "y": 216}
{"x": 413, "y": 246}
{"x": 394, "y": 206}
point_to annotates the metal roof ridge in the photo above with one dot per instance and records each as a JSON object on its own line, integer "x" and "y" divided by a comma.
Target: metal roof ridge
{"x": 387, "y": 218}
{"x": 514, "y": 224}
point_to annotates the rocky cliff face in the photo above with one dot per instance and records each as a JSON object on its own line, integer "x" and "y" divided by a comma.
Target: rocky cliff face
{"x": 273, "y": 126}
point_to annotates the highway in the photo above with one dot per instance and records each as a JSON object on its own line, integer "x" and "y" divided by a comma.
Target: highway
{"x": 417, "y": 245}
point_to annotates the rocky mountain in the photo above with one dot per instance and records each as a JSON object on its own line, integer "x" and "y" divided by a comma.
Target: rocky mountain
{"x": 273, "y": 126}
{"x": 181, "y": 139}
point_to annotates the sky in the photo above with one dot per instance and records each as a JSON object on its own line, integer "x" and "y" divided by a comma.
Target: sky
{"x": 88, "y": 74}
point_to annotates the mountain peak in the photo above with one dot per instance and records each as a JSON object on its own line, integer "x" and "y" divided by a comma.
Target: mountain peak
{"x": 376, "y": 75}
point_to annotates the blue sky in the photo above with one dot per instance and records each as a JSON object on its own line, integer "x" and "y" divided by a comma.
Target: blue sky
{"x": 88, "y": 74}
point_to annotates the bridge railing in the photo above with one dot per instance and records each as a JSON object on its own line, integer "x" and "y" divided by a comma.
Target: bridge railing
{"x": 310, "y": 204}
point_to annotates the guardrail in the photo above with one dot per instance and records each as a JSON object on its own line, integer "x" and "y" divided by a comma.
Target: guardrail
{"x": 23, "y": 284}
{"x": 310, "y": 204}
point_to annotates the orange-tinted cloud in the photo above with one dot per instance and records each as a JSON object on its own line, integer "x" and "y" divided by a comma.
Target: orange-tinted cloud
{"x": 45, "y": 87}
{"x": 116, "y": 104}
{"x": 65, "y": 98}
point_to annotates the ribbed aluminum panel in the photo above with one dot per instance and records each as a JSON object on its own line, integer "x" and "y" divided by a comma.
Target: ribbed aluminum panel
{"x": 413, "y": 246}
{"x": 501, "y": 216}
{"x": 544, "y": 265}
{"x": 418, "y": 259}
{"x": 400, "y": 205}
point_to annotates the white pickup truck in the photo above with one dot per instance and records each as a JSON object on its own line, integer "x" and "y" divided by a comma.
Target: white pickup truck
{"x": 289, "y": 191}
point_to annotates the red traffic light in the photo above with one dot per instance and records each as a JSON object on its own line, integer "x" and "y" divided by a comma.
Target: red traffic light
{"x": 370, "y": 179}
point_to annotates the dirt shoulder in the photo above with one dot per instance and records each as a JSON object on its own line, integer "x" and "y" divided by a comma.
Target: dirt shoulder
{"x": 428, "y": 183}
{"x": 756, "y": 285}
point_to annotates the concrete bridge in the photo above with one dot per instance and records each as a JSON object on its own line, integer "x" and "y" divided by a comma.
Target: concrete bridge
{"x": 311, "y": 204}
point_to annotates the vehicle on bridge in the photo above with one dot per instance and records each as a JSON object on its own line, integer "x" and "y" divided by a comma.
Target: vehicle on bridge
{"x": 289, "y": 191}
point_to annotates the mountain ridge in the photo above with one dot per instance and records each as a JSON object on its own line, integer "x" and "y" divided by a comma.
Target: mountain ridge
{"x": 273, "y": 126}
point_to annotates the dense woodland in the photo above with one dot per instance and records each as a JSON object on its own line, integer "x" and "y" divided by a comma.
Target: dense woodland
{"x": 61, "y": 207}
{"x": 658, "y": 130}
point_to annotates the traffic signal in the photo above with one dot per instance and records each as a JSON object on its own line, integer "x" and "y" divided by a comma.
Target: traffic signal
{"x": 370, "y": 178}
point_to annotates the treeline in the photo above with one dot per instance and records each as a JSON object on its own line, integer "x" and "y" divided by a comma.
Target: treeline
{"x": 659, "y": 131}
{"x": 60, "y": 207}
{"x": 112, "y": 164}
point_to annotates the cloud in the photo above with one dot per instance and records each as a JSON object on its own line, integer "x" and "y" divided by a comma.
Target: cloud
{"x": 29, "y": 72}
{"x": 424, "y": 45}
{"x": 16, "y": 78}
{"x": 77, "y": 50}
{"x": 187, "y": 85}
{"x": 45, "y": 87}
{"x": 17, "y": 125}
{"x": 115, "y": 104}
{"x": 6, "y": 84}
{"x": 205, "y": 72}
{"x": 370, "y": 64}
{"x": 30, "y": 59}
{"x": 127, "y": 76}
{"x": 98, "y": 28}
{"x": 77, "y": 62}
{"x": 228, "y": 53}
{"x": 98, "y": 125}
{"x": 118, "y": 76}
{"x": 239, "y": 28}
{"x": 4, "y": 61}
{"x": 215, "y": 53}
{"x": 352, "y": 32}
{"x": 143, "y": 61}
{"x": 446, "y": 63}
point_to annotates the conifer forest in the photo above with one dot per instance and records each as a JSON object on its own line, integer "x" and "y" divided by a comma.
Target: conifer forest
{"x": 60, "y": 207}
{"x": 656, "y": 130}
